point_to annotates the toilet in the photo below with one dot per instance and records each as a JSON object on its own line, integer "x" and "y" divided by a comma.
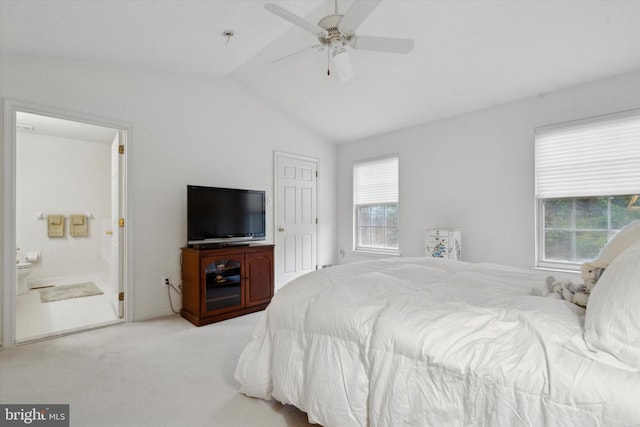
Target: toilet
{"x": 23, "y": 269}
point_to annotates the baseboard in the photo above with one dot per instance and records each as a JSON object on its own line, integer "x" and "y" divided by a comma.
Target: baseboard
{"x": 155, "y": 315}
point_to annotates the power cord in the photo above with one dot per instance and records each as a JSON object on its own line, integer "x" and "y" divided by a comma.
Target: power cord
{"x": 178, "y": 291}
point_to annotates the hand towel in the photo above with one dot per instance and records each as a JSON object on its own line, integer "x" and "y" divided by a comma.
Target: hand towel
{"x": 78, "y": 225}
{"x": 55, "y": 225}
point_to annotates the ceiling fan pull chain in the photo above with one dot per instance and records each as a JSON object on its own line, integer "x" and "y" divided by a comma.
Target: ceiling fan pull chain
{"x": 328, "y": 62}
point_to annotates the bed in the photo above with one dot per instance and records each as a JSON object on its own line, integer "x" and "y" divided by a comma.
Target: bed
{"x": 436, "y": 342}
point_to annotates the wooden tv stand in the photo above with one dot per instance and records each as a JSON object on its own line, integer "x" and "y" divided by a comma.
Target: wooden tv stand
{"x": 226, "y": 282}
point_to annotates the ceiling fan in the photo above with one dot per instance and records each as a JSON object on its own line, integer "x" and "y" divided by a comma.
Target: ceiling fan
{"x": 337, "y": 32}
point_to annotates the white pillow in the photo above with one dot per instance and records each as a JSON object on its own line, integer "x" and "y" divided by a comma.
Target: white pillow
{"x": 621, "y": 241}
{"x": 612, "y": 319}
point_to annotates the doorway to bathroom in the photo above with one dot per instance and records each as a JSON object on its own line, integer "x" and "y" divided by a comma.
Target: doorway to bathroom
{"x": 69, "y": 217}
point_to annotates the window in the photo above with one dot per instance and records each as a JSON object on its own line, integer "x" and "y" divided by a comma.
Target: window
{"x": 375, "y": 200}
{"x": 587, "y": 186}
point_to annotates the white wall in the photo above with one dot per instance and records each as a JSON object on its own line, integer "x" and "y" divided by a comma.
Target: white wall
{"x": 185, "y": 130}
{"x": 61, "y": 176}
{"x": 476, "y": 171}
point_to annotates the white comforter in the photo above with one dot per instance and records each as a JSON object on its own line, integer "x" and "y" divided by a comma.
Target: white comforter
{"x": 431, "y": 342}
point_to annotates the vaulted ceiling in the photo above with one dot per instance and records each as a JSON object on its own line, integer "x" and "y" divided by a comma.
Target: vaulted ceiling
{"x": 468, "y": 54}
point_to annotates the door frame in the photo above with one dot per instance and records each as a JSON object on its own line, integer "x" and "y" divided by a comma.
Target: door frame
{"x": 277, "y": 253}
{"x": 11, "y": 107}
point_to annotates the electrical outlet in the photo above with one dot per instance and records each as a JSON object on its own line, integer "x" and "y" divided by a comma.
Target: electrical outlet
{"x": 165, "y": 281}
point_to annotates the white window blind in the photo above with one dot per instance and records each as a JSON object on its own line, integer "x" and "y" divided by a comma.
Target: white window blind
{"x": 591, "y": 157}
{"x": 376, "y": 181}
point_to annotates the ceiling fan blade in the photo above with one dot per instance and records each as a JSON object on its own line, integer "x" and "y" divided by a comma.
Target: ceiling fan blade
{"x": 300, "y": 53}
{"x": 382, "y": 44}
{"x": 295, "y": 19}
{"x": 357, "y": 13}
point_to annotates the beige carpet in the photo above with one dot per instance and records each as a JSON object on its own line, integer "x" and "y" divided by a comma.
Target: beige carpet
{"x": 161, "y": 373}
{"x": 57, "y": 293}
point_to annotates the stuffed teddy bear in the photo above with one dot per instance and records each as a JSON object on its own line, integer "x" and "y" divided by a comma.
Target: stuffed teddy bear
{"x": 574, "y": 293}
{"x": 591, "y": 272}
{"x": 581, "y": 296}
{"x": 565, "y": 290}
{"x": 554, "y": 289}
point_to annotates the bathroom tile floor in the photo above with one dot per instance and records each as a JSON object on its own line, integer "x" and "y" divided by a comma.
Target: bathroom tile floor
{"x": 35, "y": 319}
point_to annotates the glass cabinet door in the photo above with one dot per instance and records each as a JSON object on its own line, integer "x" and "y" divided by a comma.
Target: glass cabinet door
{"x": 222, "y": 284}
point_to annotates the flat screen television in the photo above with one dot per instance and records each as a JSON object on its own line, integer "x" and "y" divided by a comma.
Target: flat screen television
{"x": 224, "y": 215}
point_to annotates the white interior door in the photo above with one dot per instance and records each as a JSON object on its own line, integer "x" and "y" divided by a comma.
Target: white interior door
{"x": 296, "y": 217}
{"x": 117, "y": 285}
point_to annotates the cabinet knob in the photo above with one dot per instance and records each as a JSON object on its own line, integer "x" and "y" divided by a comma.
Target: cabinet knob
{"x": 109, "y": 232}
{"x": 281, "y": 229}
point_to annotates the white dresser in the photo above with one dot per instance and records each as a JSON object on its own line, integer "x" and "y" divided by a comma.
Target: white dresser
{"x": 443, "y": 243}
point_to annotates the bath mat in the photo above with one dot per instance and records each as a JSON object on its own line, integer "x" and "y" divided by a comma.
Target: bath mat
{"x": 58, "y": 293}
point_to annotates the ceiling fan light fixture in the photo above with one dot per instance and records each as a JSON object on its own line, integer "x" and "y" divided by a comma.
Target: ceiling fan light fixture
{"x": 343, "y": 65}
